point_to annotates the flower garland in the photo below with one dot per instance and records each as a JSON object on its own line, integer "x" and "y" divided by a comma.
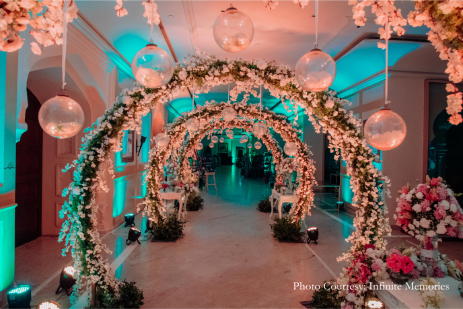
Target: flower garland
{"x": 46, "y": 18}
{"x": 151, "y": 10}
{"x": 203, "y": 72}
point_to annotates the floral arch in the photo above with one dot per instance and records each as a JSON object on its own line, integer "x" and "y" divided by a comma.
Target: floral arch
{"x": 210, "y": 119}
{"x": 201, "y": 72}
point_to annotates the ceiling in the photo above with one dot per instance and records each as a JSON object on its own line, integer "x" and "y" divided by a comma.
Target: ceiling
{"x": 283, "y": 34}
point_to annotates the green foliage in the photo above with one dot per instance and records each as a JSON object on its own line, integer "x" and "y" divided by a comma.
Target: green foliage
{"x": 168, "y": 229}
{"x": 264, "y": 205}
{"x": 195, "y": 202}
{"x": 129, "y": 297}
{"x": 325, "y": 297}
{"x": 285, "y": 230}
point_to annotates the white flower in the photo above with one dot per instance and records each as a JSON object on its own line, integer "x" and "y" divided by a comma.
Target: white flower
{"x": 329, "y": 104}
{"x": 419, "y": 195}
{"x": 261, "y": 64}
{"x": 183, "y": 74}
{"x": 441, "y": 228}
{"x": 431, "y": 234}
{"x": 417, "y": 208}
{"x": 445, "y": 204}
{"x": 453, "y": 208}
{"x": 424, "y": 223}
{"x": 408, "y": 197}
{"x": 76, "y": 191}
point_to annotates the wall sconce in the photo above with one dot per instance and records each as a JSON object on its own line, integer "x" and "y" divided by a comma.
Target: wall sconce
{"x": 66, "y": 280}
{"x": 19, "y": 297}
{"x": 312, "y": 234}
{"x": 142, "y": 141}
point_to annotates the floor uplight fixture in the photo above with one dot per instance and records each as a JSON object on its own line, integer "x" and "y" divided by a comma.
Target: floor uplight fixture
{"x": 134, "y": 234}
{"x": 49, "y": 305}
{"x": 312, "y": 234}
{"x": 129, "y": 219}
{"x": 66, "y": 280}
{"x": 19, "y": 297}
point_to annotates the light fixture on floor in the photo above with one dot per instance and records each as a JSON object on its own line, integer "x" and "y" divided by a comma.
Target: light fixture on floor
{"x": 19, "y": 297}
{"x": 66, "y": 280}
{"x": 149, "y": 224}
{"x": 129, "y": 220}
{"x": 312, "y": 234}
{"x": 340, "y": 205}
{"x": 233, "y": 30}
{"x": 48, "y": 305}
{"x": 133, "y": 236}
{"x": 316, "y": 70}
{"x": 373, "y": 303}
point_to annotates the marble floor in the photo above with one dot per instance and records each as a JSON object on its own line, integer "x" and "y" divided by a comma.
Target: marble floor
{"x": 227, "y": 259}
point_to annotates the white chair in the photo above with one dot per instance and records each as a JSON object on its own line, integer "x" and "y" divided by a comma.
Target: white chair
{"x": 210, "y": 184}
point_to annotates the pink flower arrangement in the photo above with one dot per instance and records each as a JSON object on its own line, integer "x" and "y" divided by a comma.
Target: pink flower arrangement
{"x": 429, "y": 209}
{"x": 400, "y": 263}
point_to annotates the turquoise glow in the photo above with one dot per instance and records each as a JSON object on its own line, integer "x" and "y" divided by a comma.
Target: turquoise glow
{"x": 119, "y": 250}
{"x": 119, "y": 196}
{"x": 347, "y": 193}
{"x": 145, "y": 131}
{"x": 2, "y": 113}
{"x": 7, "y": 249}
{"x": 351, "y": 68}
{"x": 19, "y": 290}
{"x": 129, "y": 50}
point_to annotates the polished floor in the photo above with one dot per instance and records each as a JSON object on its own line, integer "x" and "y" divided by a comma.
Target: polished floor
{"x": 227, "y": 259}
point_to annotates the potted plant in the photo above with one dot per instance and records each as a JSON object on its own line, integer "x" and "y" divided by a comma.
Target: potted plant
{"x": 285, "y": 229}
{"x": 264, "y": 205}
{"x": 195, "y": 202}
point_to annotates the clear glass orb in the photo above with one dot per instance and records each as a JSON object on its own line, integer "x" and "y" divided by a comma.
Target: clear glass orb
{"x": 259, "y": 129}
{"x": 221, "y": 139}
{"x": 257, "y": 145}
{"x": 61, "y": 117}
{"x": 152, "y": 66}
{"x": 228, "y": 113}
{"x": 315, "y": 71}
{"x": 199, "y": 146}
{"x": 211, "y": 145}
{"x": 162, "y": 140}
{"x": 214, "y": 139}
{"x": 290, "y": 149}
{"x": 385, "y": 130}
{"x": 249, "y": 145}
{"x": 244, "y": 138}
{"x": 230, "y": 133}
{"x": 233, "y": 30}
{"x": 192, "y": 125}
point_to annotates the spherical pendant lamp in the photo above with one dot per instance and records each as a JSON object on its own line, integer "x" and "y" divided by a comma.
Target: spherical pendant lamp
{"x": 211, "y": 145}
{"x": 162, "y": 140}
{"x": 152, "y": 66}
{"x": 385, "y": 130}
{"x": 61, "y": 117}
{"x": 244, "y": 139}
{"x": 230, "y": 133}
{"x": 315, "y": 71}
{"x": 221, "y": 139}
{"x": 214, "y": 139}
{"x": 249, "y": 145}
{"x": 257, "y": 145}
{"x": 199, "y": 146}
{"x": 228, "y": 113}
{"x": 290, "y": 149}
{"x": 233, "y": 30}
{"x": 259, "y": 129}
{"x": 192, "y": 125}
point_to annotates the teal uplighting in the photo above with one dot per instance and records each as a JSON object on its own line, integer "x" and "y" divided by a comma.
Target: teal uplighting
{"x": 145, "y": 131}
{"x": 20, "y": 289}
{"x": 119, "y": 196}
{"x": 119, "y": 250}
{"x": 347, "y": 193}
{"x": 7, "y": 246}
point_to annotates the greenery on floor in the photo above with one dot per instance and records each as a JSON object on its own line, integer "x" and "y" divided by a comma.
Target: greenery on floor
{"x": 129, "y": 296}
{"x": 264, "y": 205}
{"x": 195, "y": 202}
{"x": 168, "y": 229}
{"x": 325, "y": 297}
{"x": 285, "y": 230}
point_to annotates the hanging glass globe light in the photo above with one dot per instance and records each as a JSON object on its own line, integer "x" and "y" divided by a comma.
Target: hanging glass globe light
{"x": 315, "y": 71}
{"x": 214, "y": 139}
{"x": 385, "y": 130}
{"x": 230, "y": 134}
{"x": 162, "y": 140}
{"x": 152, "y": 66}
{"x": 249, "y": 145}
{"x": 290, "y": 149}
{"x": 192, "y": 125}
{"x": 221, "y": 139}
{"x": 211, "y": 145}
{"x": 257, "y": 145}
{"x": 259, "y": 129}
{"x": 199, "y": 146}
{"x": 244, "y": 138}
{"x": 233, "y": 30}
{"x": 228, "y": 113}
{"x": 61, "y": 117}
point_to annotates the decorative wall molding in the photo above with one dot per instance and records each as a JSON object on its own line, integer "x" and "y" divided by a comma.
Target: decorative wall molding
{"x": 66, "y": 148}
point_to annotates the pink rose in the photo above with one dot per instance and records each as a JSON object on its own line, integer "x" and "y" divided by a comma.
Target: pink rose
{"x": 375, "y": 267}
{"x": 442, "y": 193}
{"x": 457, "y": 216}
{"x": 440, "y": 213}
{"x": 423, "y": 188}
{"x": 451, "y": 231}
{"x": 425, "y": 206}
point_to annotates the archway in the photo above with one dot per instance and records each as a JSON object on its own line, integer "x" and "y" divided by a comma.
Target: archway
{"x": 201, "y": 72}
